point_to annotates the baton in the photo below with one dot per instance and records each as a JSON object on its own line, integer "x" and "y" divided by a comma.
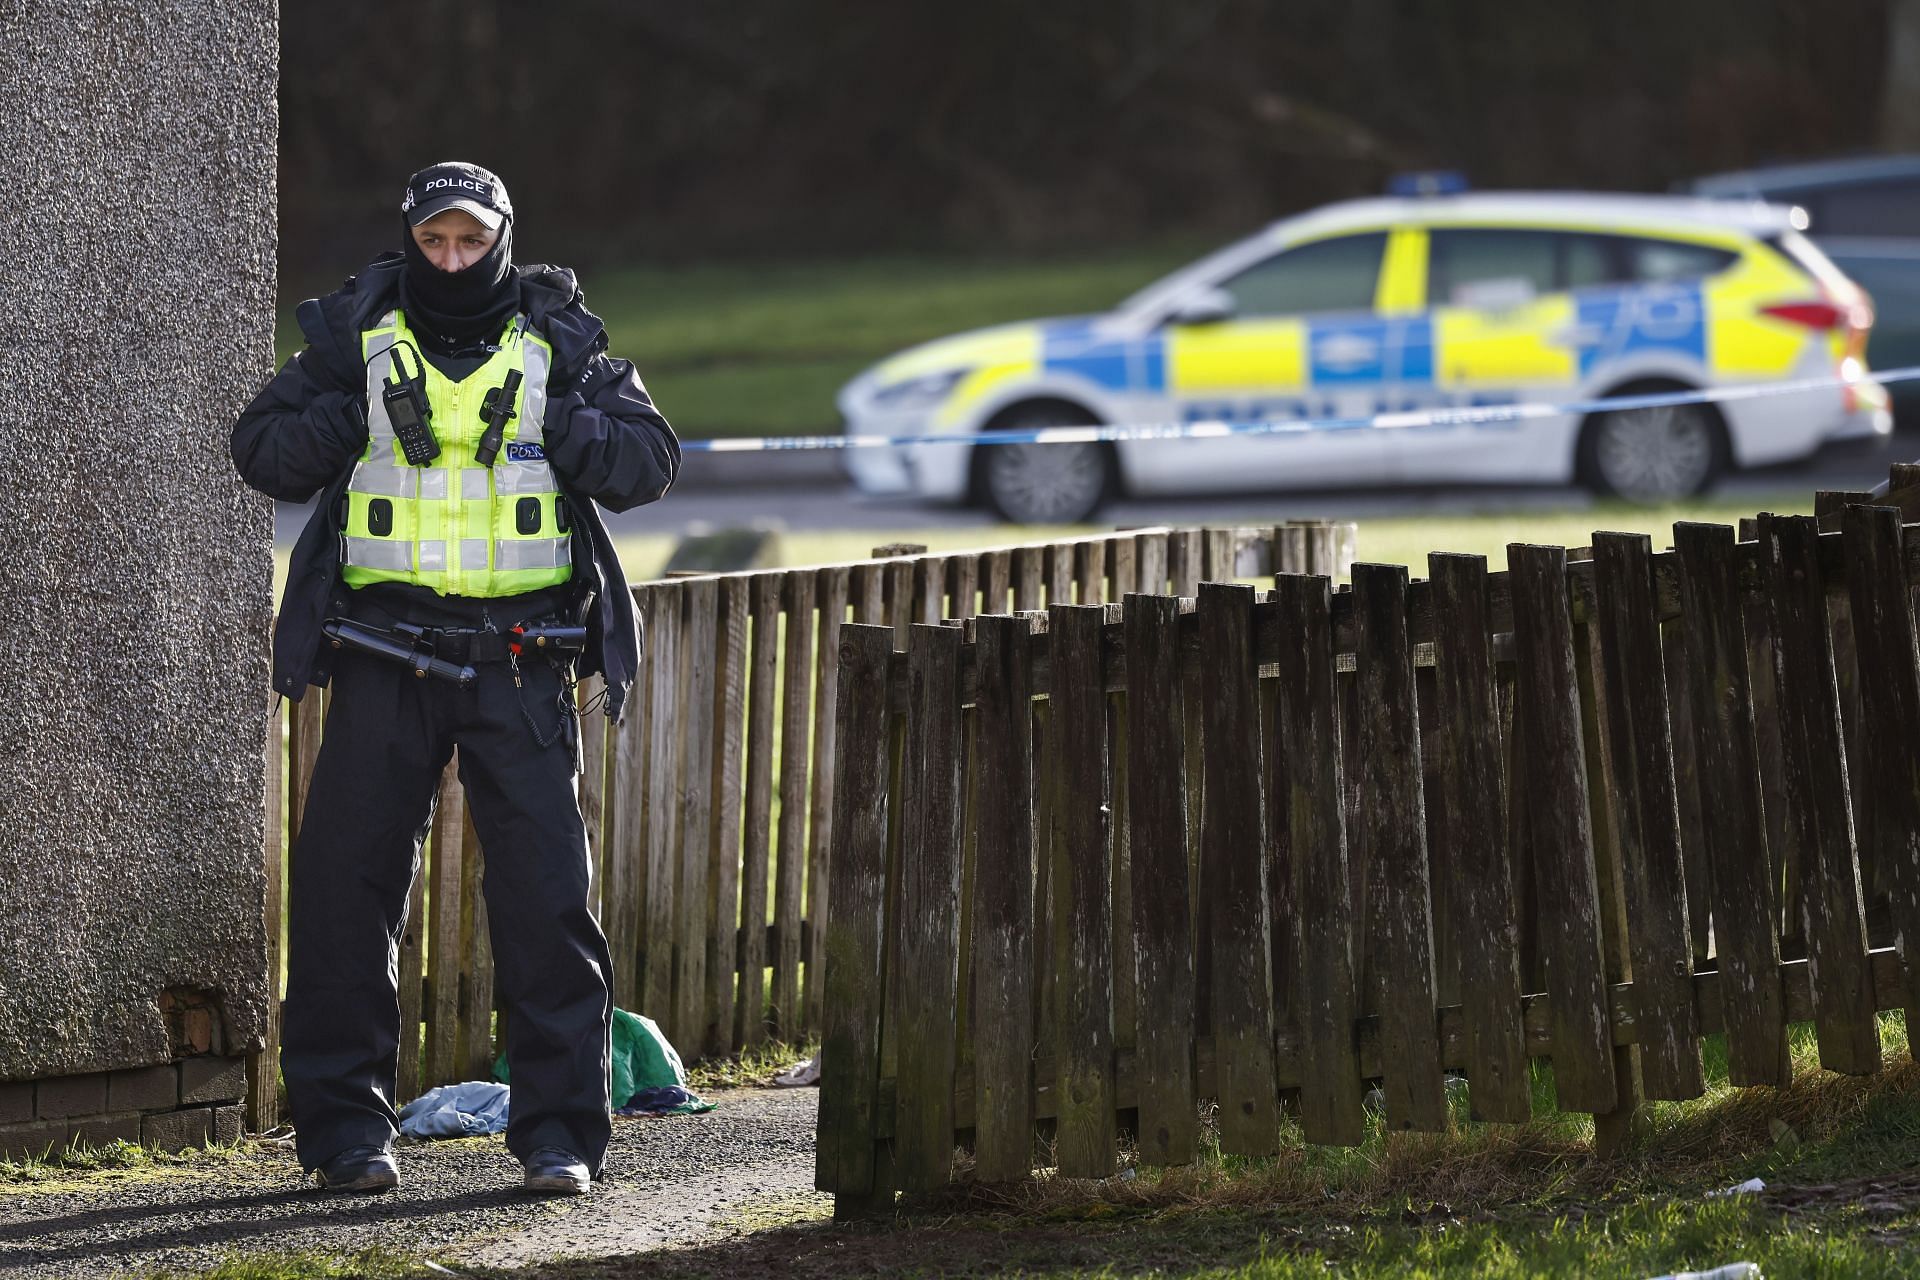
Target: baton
{"x": 345, "y": 633}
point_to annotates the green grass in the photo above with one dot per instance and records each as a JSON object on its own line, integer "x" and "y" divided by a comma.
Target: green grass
{"x": 755, "y": 1065}
{"x": 761, "y": 348}
{"x": 78, "y": 1166}
{"x": 364, "y": 1264}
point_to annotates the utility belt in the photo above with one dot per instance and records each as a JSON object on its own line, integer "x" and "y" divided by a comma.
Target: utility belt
{"x": 376, "y": 626}
{"x": 451, "y": 653}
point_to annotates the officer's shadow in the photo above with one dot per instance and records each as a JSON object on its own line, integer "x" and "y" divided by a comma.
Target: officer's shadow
{"x": 237, "y": 1218}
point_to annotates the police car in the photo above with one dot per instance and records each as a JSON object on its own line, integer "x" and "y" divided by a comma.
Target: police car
{"x": 1388, "y": 307}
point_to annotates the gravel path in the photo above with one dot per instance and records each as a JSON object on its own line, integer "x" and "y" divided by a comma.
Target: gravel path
{"x": 675, "y": 1180}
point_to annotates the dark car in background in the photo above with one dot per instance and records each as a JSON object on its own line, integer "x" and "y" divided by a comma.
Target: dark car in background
{"x": 1864, "y": 213}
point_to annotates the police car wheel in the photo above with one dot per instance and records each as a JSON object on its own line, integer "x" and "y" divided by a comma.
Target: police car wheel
{"x": 1653, "y": 453}
{"x": 1046, "y": 483}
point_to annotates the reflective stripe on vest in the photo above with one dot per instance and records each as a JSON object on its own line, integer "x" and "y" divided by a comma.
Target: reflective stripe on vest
{"x": 503, "y": 525}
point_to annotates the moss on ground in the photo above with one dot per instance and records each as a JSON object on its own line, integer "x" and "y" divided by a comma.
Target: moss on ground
{"x": 92, "y": 1169}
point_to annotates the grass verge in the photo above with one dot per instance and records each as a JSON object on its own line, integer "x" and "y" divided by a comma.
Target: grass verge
{"x": 761, "y": 348}
{"x": 1839, "y": 1156}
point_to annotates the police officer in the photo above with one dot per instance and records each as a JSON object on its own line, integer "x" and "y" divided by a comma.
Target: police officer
{"x": 459, "y": 418}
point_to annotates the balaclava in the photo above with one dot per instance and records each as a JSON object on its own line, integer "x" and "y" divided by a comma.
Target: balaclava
{"x": 455, "y": 310}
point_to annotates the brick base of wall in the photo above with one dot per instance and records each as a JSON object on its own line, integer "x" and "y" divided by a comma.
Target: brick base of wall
{"x": 171, "y": 1106}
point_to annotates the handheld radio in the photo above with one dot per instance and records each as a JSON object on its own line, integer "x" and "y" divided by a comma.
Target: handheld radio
{"x": 409, "y": 412}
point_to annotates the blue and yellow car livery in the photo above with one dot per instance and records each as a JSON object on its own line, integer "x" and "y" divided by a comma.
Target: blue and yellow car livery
{"x": 1605, "y": 295}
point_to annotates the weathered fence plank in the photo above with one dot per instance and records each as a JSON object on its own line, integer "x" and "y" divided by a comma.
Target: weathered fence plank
{"x": 1083, "y": 886}
{"x": 1126, "y": 993}
{"x": 475, "y": 1051}
{"x": 1123, "y": 555}
{"x": 1235, "y": 852}
{"x": 1003, "y": 947}
{"x": 444, "y": 955}
{"x": 833, "y": 586}
{"x": 1646, "y": 816}
{"x": 693, "y": 844}
{"x": 1887, "y": 772}
{"x": 1746, "y": 943}
{"x": 1442, "y": 871}
{"x": 1686, "y": 782}
{"x": 1562, "y": 835}
{"x": 1846, "y": 671}
{"x": 750, "y": 1009}
{"x": 1769, "y": 752}
{"x": 1819, "y": 820}
{"x": 796, "y": 704}
{"x": 729, "y": 710}
{"x": 625, "y": 854}
{"x": 595, "y": 739}
{"x": 1613, "y": 1129}
{"x": 1152, "y": 578}
{"x": 1470, "y": 767}
{"x": 1185, "y": 550}
{"x": 409, "y": 970}
{"x": 996, "y": 574}
{"x": 1161, "y": 931}
{"x": 1393, "y": 816}
{"x": 1028, "y": 581}
{"x": 926, "y": 935}
{"x": 663, "y": 810}
{"x": 1090, "y": 571}
{"x": 263, "y": 1064}
{"x": 1307, "y": 765}
{"x": 856, "y": 988}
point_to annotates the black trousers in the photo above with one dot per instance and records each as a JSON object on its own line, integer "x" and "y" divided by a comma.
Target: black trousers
{"x": 388, "y": 736}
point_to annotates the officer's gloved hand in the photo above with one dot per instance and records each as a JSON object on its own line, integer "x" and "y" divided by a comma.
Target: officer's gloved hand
{"x": 343, "y": 416}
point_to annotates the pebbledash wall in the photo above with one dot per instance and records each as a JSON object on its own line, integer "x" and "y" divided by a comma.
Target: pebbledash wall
{"x": 137, "y": 254}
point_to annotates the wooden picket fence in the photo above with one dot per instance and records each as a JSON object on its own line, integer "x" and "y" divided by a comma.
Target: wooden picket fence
{"x": 709, "y": 808}
{"x": 1101, "y": 865}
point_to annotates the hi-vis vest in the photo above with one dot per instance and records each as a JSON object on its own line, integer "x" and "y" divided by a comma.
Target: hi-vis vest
{"x": 453, "y": 525}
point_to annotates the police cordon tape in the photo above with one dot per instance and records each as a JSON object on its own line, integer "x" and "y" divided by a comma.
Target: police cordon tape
{"x": 1492, "y": 415}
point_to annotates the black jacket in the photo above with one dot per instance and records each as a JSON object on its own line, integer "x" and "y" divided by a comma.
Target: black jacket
{"x": 604, "y": 441}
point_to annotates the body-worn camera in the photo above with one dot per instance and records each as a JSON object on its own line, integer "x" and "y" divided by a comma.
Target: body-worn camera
{"x": 497, "y": 410}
